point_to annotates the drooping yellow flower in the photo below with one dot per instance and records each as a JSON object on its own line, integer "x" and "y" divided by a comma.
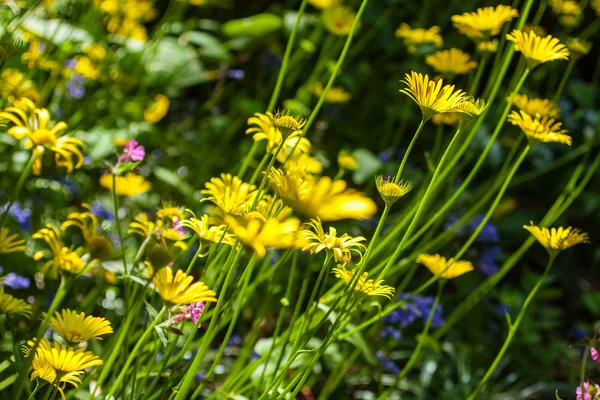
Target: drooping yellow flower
{"x": 207, "y": 233}
{"x": 390, "y": 192}
{"x": 61, "y": 258}
{"x": 261, "y": 235}
{"x": 97, "y": 245}
{"x": 179, "y": 289}
{"x": 537, "y": 50}
{"x": 484, "y": 23}
{"x": 157, "y": 110}
{"x": 540, "y": 129}
{"x": 414, "y": 38}
{"x": 533, "y": 106}
{"x": 569, "y": 12}
{"x": 432, "y": 97}
{"x": 578, "y": 47}
{"x": 77, "y": 328}
{"x": 341, "y": 247}
{"x": 364, "y": 286}
{"x": 322, "y": 3}
{"x": 229, "y": 193}
{"x": 556, "y": 240}
{"x": 129, "y": 185}
{"x": 347, "y": 161}
{"x": 32, "y": 123}
{"x": 10, "y": 243}
{"x": 338, "y": 19}
{"x": 12, "y": 305}
{"x": 488, "y": 46}
{"x": 335, "y": 95}
{"x": 14, "y": 85}
{"x": 451, "y": 62}
{"x": 436, "y": 264}
{"x": 327, "y": 199}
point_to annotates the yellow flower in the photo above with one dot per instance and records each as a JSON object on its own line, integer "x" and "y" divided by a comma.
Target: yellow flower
{"x": 569, "y": 11}
{"x": 157, "y": 110}
{"x": 261, "y": 235}
{"x": 32, "y": 123}
{"x": 61, "y": 258}
{"x": 446, "y": 119}
{"x": 97, "y": 245}
{"x": 436, "y": 264}
{"x": 451, "y": 62}
{"x": 14, "y": 85}
{"x": 347, "y": 161}
{"x": 537, "y": 50}
{"x": 335, "y": 95}
{"x": 142, "y": 225}
{"x": 414, "y": 38}
{"x": 263, "y": 128}
{"x": 179, "y": 289}
{"x": 327, "y": 199}
{"x": 170, "y": 211}
{"x": 86, "y": 67}
{"x": 540, "y": 129}
{"x": 304, "y": 166}
{"x": 59, "y": 364}
{"x": 268, "y": 207}
{"x": 229, "y": 193}
{"x": 129, "y": 185}
{"x": 322, "y": 3}
{"x": 485, "y": 22}
{"x": 12, "y": 305}
{"x": 488, "y": 46}
{"x": 506, "y": 206}
{"x": 533, "y": 106}
{"x": 364, "y": 286}
{"x": 556, "y": 240}
{"x": 468, "y": 108}
{"x": 10, "y": 243}
{"x": 578, "y": 47}
{"x": 338, "y": 19}
{"x": 390, "y": 192}
{"x": 288, "y": 124}
{"x": 431, "y": 97}
{"x": 207, "y": 233}
{"x": 34, "y": 57}
{"x": 341, "y": 247}
{"x": 77, "y": 328}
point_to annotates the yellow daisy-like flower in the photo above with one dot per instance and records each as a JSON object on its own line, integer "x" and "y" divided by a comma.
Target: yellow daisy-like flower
{"x": 338, "y": 19}
{"x": 179, "y": 289}
{"x": 268, "y": 207}
{"x": 341, "y": 247}
{"x": 335, "y": 95}
{"x": 451, "y": 62}
{"x": 533, "y": 106}
{"x": 569, "y": 11}
{"x": 468, "y": 108}
{"x": 431, "y": 96}
{"x": 77, "y": 328}
{"x": 142, "y": 225}
{"x": 327, "y": 199}
{"x": 129, "y": 185}
{"x": 390, "y": 192}
{"x": 32, "y": 123}
{"x": 229, "y": 193}
{"x": 322, "y": 3}
{"x": 488, "y": 46}
{"x": 14, "y": 85}
{"x": 97, "y": 245}
{"x": 414, "y": 38}
{"x": 446, "y": 119}
{"x": 12, "y": 305}
{"x": 540, "y": 129}
{"x": 556, "y": 240}
{"x": 61, "y": 258}
{"x": 485, "y": 22}
{"x": 288, "y": 124}
{"x": 347, "y": 161}
{"x": 157, "y": 110}
{"x": 261, "y": 235}
{"x": 207, "y": 233}
{"x": 436, "y": 264}
{"x": 10, "y": 243}
{"x": 364, "y": 286}
{"x": 578, "y": 47}
{"x": 263, "y": 127}
{"x": 305, "y": 166}
{"x": 538, "y": 50}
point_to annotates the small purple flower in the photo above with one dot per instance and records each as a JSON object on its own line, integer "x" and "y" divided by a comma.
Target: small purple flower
{"x": 386, "y": 364}
{"x": 236, "y": 74}
{"x": 235, "y": 340}
{"x": 134, "y": 151}
{"x": 70, "y": 63}
{"x": 75, "y": 86}
{"x": 594, "y": 354}
{"x": 195, "y": 310}
{"x": 99, "y": 210}
{"x": 15, "y": 281}
{"x": 21, "y": 215}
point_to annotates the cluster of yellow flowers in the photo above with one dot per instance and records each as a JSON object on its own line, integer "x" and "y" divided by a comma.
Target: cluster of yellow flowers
{"x": 337, "y": 18}
{"x": 14, "y": 85}
{"x": 127, "y": 17}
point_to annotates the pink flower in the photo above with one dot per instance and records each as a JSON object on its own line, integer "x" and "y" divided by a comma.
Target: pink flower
{"x": 594, "y": 354}
{"x": 590, "y": 392}
{"x": 179, "y": 228}
{"x": 134, "y": 151}
{"x": 192, "y": 312}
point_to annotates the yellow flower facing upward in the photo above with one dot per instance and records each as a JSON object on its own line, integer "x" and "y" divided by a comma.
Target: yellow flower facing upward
{"x": 229, "y": 193}
{"x": 451, "y": 62}
{"x": 129, "y": 185}
{"x": 31, "y": 123}
{"x": 97, "y": 245}
{"x": 538, "y": 50}
{"x": 341, "y": 247}
{"x": 364, "y": 286}
{"x": 10, "y": 243}
{"x": 14, "y": 85}
{"x": 338, "y": 19}
{"x": 347, "y": 161}
{"x": 157, "y": 110}
{"x": 540, "y": 129}
{"x": 12, "y": 305}
{"x": 414, "y": 38}
{"x": 484, "y": 23}
{"x": 390, "y": 192}
{"x": 179, "y": 289}
{"x": 77, "y": 328}
{"x": 578, "y": 47}
{"x": 432, "y": 97}
{"x": 452, "y": 269}
{"x": 556, "y": 240}
{"x": 327, "y": 199}
{"x": 335, "y": 95}
{"x": 61, "y": 258}
{"x": 533, "y": 106}
{"x": 262, "y": 127}
{"x": 207, "y": 233}
{"x": 261, "y": 235}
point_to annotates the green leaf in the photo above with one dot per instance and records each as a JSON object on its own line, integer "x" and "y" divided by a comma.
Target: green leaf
{"x": 210, "y": 46}
{"x": 557, "y": 396}
{"x": 137, "y": 280}
{"x": 174, "y": 64}
{"x": 368, "y": 163}
{"x": 56, "y": 31}
{"x": 429, "y": 343}
{"x": 162, "y": 334}
{"x": 171, "y": 178}
{"x": 255, "y": 26}
{"x": 151, "y": 310}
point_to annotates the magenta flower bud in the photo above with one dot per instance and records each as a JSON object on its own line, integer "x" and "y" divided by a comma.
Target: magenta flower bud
{"x": 594, "y": 354}
{"x": 195, "y": 310}
{"x": 134, "y": 151}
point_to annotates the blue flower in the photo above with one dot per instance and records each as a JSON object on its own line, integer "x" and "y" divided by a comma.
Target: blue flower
{"x": 487, "y": 263}
{"x": 389, "y": 331}
{"x": 15, "y": 281}
{"x": 21, "y": 215}
{"x": 489, "y": 232}
{"x": 99, "y": 210}
{"x": 386, "y": 364}
{"x": 75, "y": 86}
{"x": 418, "y": 307}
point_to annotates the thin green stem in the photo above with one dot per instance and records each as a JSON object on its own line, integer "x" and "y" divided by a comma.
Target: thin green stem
{"x": 118, "y": 223}
{"x": 15, "y": 195}
{"x": 408, "y": 150}
{"x": 563, "y": 81}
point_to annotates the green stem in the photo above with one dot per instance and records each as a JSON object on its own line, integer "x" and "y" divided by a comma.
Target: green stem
{"x": 408, "y": 150}
{"x": 259, "y": 168}
{"x": 475, "y": 85}
{"x": 563, "y": 81}
{"x": 15, "y": 195}
{"x": 263, "y": 183}
{"x": 118, "y": 223}
{"x": 582, "y": 370}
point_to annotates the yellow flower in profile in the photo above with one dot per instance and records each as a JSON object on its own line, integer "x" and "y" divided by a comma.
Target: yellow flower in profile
{"x": 335, "y": 95}
{"x": 578, "y": 47}
{"x": 452, "y": 269}
{"x": 364, "y": 286}
{"x": 556, "y": 240}
{"x": 533, "y": 106}
{"x": 488, "y": 46}
{"x": 261, "y": 235}
{"x": 341, "y": 247}
{"x": 347, "y": 161}
{"x": 327, "y": 199}
{"x": 390, "y": 192}
{"x": 12, "y": 305}
{"x": 451, "y": 62}
{"x": 97, "y": 245}
{"x": 485, "y": 22}
{"x": 229, "y": 193}
{"x": 540, "y": 129}
{"x": 77, "y": 328}
{"x": 129, "y": 185}
{"x": 14, "y": 85}
{"x": 179, "y": 289}
{"x": 263, "y": 127}
{"x": 338, "y": 19}
{"x": 288, "y": 124}
{"x": 322, "y": 3}
{"x": 157, "y": 110}
{"x": 446, "y": 119}
{"x": 414, "y": 38}
{"x": 431, "y": 96}
{"x": 468, "y": 108}
{"x": 10, "y": 243}
{"x": 61, "y": 258}
{"x": 538, "y": 50}
{"x": 142, "y": 225}
{"x": 207, "y": 233}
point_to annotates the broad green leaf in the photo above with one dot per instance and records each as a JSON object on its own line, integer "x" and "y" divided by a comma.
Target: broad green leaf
{"x": 210, "y": 46}
{"x": 255, "y": 26}
{"x": 151, "y": 310}
{"x": 172, "y": 63}
{"x": 56, "y": 31}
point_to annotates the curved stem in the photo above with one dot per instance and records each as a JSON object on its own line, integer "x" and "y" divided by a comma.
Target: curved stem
{"x": 406, "y": 154}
